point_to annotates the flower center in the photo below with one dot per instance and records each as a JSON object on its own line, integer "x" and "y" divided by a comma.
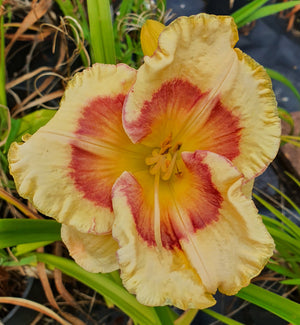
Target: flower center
{"x": 163, "y": 160}
{"x": 162, "y": 163}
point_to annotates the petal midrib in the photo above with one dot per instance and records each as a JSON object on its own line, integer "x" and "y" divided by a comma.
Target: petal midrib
{"x": 203, "y": 113}
{"x": 89, "y": 144}
{"x": 198, "y": 263}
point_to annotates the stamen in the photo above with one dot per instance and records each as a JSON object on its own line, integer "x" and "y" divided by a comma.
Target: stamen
{"x": 154, "y": 169}
{"x": 169, "y": 170}
{"x": 153, "y": 159}
{"x": 162, "y": 164}
{"x": 163, "y": 161}
{"x": 166, "y": 145}
{"x": 157, "y": 233}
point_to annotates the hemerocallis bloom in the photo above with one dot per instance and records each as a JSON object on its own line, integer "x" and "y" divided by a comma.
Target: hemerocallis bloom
{"x": 151, "y": 171}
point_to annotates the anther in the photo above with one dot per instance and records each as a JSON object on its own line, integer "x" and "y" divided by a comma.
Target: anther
{"x": 163, "y": 160}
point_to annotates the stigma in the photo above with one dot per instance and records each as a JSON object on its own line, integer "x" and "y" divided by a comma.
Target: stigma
{"x": 162, "y": 162}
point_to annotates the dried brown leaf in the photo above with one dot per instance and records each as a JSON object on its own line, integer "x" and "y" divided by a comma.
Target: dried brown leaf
{"x": 31, "y": 37}
{"x": 15, "y": 202}
{"x": 38, "y": 10}
{"x": 33, "y": 305}
{"x": 74, "y": 320}
{"x": 41, "y": 269}
{"x": 40, "y": 101}
{"x": 25, "y": 77}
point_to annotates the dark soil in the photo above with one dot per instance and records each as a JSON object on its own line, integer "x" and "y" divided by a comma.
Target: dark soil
{"x": 12, "y": 284}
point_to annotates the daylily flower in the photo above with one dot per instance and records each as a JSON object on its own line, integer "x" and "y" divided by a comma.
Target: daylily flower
{"x": 152, "y": 171}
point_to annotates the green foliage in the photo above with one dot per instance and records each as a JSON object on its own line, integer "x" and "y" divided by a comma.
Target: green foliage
{"x": 277, "y": 305}
{"x": 19, "y": 231}
{"x": 101, "y": 30}
{"x": 221, "y": 318}
{"x": 287, "y": 117}
{"x": 286, "y": 261}
{"x": 22, "y": 249}
{"x": 268, "y": 10}
{"x": 103, "y": 284}
{"x": 30, "y": 123}
{"x": 23, "y": 261}
{"x": 279, "y": 77}
{"x": 255, "y": 10}
{"x": 243, "y": 13}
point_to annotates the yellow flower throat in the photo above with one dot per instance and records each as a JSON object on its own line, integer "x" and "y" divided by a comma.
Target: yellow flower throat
{"x": 162, "y": 164}
{"x": 163, "y": 160}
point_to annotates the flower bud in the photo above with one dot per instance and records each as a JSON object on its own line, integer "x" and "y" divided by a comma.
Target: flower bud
{"x": 149, "y": 36}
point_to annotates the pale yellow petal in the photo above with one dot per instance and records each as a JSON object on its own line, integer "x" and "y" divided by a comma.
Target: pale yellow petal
{"x": 233, "y": 249}
{"x": 207, "y": 94}
{"x": 94, "y": 253}
{"x": 67, "y": 168}
{"x": 157, "y": 276}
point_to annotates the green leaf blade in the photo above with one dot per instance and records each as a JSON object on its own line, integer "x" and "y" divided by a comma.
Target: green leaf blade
{"x": 20, "y": 231}
{"x": 280, "y": 306}
{"x": 244, "y": 12}
{"x": 103, "y": 284}
{"x": 279, "y": 77}
{"x": 267, "y": 11}
{"x": 101, "y": 29}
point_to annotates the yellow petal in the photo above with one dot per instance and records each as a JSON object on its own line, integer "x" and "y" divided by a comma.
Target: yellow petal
{"x": 205, "y": 93}
{"x": 149, "y": 36}
{"x": 233, "y": 249}
{"x": 94, "y": 253}
{"x": 201, "y": 222}
{"x": 68, "y": 167}
{"x": 157, "y": 277}
{"x": 247, "y": 188}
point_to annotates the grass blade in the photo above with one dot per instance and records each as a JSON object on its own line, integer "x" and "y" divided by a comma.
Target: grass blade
{"x": 104, "y": 285}
{"x": 221, "y": 318}
{"x": 125, "y": 8}
{"x": 244, "y": 12}
{"x": 292, "y": 203}
{"x": 23, "y": 261}
{"x": 280, "y": 306}
{"x": 20, "y": 231}
{"x": 273, "y": 223}
{"x": 267, "y": 11}
{"x": 281, "y": 270}
{"x": 187, "y": 317}
{"x": 283, "y": 237}
{"x": 294, "y": 228}
{"x": 29, "y": 247}
{"x": 279, "y": 77}
{"x": 101, "y": 29}
{"x": 287, "y": 117}
{"x": 166, "y": 315}
{"x": 291, "y": 282}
